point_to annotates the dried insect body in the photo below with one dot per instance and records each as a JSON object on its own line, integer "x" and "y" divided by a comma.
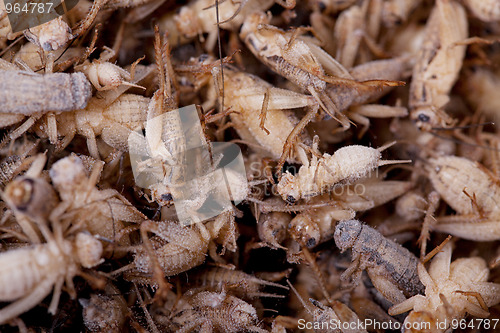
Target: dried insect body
{"x": 35, "y": 93}
{"x": 370, "y": 193}
{"x": 317, "y": 225}
{"x": 166, "y": 146}
{"x": 438, "y": 64}
{"x": 290, "y": 57}
{"x": 464, "y": 184}
{"x": 348, "y": 32}
{"x": 101, "y": 212}
{"x": 105, "y": 312}
{"x": 238, "y": 283}
{"x": 31, "y": 55}
{"x": 32, "y": 272}
{"x": 451, "y": 291}
{"x": 391, "y": 267}
{"x": 397, "y": 68}
{"x": 215, "y": 312}
{"x": 304, "y": 63}
{"x": 321, "y": 174}
{"x": 487, "y": 11}
{"x": 353, "y": 101}
{"x": 50, "y": 36}
{"x": 260, "y": 114}
{"x": 104, "y": 75}
{"x": 113, "y": 122}
{"x": 176, "y": 248}
{"x": 472, "y": 192}
{"x": 199, "y": 17}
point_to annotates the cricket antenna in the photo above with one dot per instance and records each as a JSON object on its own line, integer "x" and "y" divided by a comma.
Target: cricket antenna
{"x": 462, "y": 127}
{"x": 220, "y": 51}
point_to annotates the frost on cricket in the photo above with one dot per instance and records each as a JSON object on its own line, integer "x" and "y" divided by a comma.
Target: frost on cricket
{"x": 318, "y": 175}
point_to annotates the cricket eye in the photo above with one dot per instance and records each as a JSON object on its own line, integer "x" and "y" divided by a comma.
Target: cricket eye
{"x": 424, "y": 118}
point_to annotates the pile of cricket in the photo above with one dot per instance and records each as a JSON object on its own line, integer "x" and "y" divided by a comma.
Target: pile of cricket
{"x": 250, "y": 166}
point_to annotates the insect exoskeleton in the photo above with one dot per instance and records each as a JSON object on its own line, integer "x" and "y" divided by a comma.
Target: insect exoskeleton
{"x": 472, "y": 192}
{"x": 51, "y": 35}
{"x": 272, "y": 228}
{"x": 317, "y": 225}
{"x": 216, "y": 312}
{"x": 178, "y": 248}
{"x": 463, "y": 183}
{"x": 30, "y": 273}
{"x": 345, "y": 166}
{"x": 438, "y": 65}
{"x": 35, "y": 93}
{"x": 260, "y": 112}
{"x": 101, "y": 212}
{"x": 391, "y": 267}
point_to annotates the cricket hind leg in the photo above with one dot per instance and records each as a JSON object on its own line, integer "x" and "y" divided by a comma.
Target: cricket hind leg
{"x": 290, "y": 140}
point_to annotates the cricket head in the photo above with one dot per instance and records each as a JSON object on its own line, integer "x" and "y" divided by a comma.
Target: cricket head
{"x": 346, "y": 233}
{"x": 427, "y": 118}
{"x": 288, "y": 188}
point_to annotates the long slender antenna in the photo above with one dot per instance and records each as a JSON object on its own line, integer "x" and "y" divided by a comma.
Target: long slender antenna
{"x": 462, "y": 127}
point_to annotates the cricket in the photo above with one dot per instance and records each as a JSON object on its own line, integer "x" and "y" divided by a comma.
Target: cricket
{"x": 257, "y": 166}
